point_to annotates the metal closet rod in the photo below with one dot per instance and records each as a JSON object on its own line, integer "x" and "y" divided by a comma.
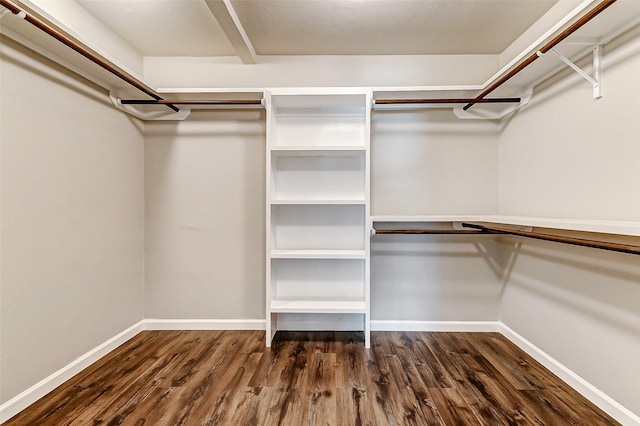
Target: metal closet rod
{"x": 550, "y": 45}
{"x": 232, "y": 102}
{"x": 623, "y": 248}
{"x": 446, "y": 101}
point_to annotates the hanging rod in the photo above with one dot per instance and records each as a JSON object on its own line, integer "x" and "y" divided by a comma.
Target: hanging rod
{"x": 16, "y": 10}
{"x": 445, "y": 101}
{"x": 623, "y": 248}
{"x": 234, "y": 102}
{"x": 557, "y": 39}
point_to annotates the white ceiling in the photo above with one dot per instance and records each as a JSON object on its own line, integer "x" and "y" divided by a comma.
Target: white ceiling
{"x": 320, "y": 27}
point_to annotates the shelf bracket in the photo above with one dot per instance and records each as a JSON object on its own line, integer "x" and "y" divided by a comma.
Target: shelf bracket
{"x": 597, "y": 69}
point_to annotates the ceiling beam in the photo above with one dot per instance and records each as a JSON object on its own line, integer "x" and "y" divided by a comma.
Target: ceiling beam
{"x": 230, "y": 23}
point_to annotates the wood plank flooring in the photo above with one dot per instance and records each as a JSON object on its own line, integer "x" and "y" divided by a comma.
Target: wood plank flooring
{"x": 314, "y": 378}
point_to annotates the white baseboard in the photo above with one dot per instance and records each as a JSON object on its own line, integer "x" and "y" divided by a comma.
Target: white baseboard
{"x": 451, "y": 326}
{"x": 46, "y": 385}
{"x": 204, "y": 324}
{"x": 593, "y": 394}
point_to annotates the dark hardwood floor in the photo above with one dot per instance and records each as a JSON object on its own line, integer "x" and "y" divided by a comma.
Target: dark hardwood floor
{"x": 314, "y": 378}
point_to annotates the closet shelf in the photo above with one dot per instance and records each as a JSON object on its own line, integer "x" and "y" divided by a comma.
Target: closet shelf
{"x": 584, "y": 225}
{"x": 630, "y": 228}
{"x": 320, "y": 202}
{"x": 319, "y": 150}
{"x": 318, "y": 254}
{"x": 427, "y": 218}
{"x": 604, "y": 245}
{"x": 319, "y": 306}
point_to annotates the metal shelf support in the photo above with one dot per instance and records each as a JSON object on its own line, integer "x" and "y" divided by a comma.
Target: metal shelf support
{"x": 594, "y": 80}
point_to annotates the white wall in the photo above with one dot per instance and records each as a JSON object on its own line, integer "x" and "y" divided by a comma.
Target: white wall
{"x": 582, "y": 307}
{"x": 72, "y": 219}
{"x": 435, "y": 278}
{"x": 205, "y": 216}
{"x": 320, "y": 71}
{"x": 567, "y": 155}
{"x": 430, "y": 163}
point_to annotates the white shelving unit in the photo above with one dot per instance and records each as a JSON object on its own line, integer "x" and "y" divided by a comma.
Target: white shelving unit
{"x": 318, "y": 204}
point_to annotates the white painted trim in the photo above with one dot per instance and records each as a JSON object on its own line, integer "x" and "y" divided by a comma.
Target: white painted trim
{"x": 452, "y": 326}
{"x": 593, "y": 394}
{"x": 204, "y": 324}
{"x": 49, "y": 383}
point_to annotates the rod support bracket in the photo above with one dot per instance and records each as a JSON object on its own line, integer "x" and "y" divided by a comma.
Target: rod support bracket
{"x": 595, "y": 79}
